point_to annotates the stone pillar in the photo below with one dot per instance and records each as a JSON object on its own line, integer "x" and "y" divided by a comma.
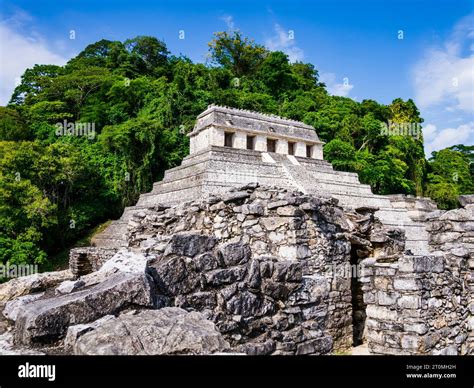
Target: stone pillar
{"x": 260, "y": 143}
{"x": 282, "y": 146}
{"x": 240, "y": 140}
{"x": 300, "y": 149}
{"x": 199, "y": 141}
{"x": 216, "y": 137}
{"x": 317, "y": 152}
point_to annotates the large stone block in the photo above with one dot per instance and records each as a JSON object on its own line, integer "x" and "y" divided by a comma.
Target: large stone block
{"x": 406, "y": 284}
{"x": 428, "y": 264}
{"x": 32, "y": 283}
{"x": 235, "y": 253}
{"x": 169, "y": 330}
{"x": 273, "y": 223}
{"x": 47, "y": 320}
{"x": 189, "y": 244}
{"x": 381, "y": 313}
{"x": 409, "y": 302}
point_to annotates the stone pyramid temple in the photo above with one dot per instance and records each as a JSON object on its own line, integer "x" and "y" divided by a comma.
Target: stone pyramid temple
{"x": 232, "y": 147}
{"x": 256, "y": 245}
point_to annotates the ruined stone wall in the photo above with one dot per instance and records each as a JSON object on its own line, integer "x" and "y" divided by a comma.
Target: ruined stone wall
{"x": 88, "y": 259}
{"x": 452, "y": 234}
{"x": 258, "y": 262}
{"x": 423, "y": 304}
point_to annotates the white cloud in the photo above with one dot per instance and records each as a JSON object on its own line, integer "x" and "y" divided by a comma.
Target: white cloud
{"x": 445, "y": 75}
{"x": 336, "y": 88}
{"x": 285, "y": 41}
{"x": 229, "y": 21}
{"x": 20, "y": 51}
{"x": 438, "y": 139}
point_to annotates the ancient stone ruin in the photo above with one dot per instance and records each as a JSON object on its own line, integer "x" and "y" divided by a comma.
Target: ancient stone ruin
{"x": 255, "y": 245}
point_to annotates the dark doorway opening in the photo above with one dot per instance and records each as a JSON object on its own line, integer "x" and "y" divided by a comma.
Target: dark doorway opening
{"x": 228, "y": 139}
{"x": 250, "y": 142}
{"x": 271, "y": 145}
{"x": 291, "y": 148}
{"x": 358, "y": 305}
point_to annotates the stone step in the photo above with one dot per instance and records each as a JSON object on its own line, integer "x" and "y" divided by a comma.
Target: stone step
{"x": 129, "y": 211}
{"x": 104, "y": 242}
{"x": 115, "y": 228}
{"x": 356, "y": 200}
{"x": 340, "y": 188}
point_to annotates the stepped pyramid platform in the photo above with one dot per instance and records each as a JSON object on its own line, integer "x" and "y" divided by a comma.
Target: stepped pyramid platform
{"x": 232, "y": 147}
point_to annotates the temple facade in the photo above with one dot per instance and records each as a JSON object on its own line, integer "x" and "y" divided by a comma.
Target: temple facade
{"x": 245, "y": 130}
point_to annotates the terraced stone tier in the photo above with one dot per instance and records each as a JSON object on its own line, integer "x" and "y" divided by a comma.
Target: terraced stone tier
{"x": 216, "y": 169}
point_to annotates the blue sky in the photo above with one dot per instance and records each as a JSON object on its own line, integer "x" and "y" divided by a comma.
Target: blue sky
{"x": 355, "y": 45}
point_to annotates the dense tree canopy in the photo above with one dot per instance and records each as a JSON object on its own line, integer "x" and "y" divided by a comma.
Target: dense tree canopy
{"x": 134, "y": 103}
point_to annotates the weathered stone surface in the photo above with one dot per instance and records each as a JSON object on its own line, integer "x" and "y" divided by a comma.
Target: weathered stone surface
{"x": 69, "y": 286}
{"x": 15, "y": 306}
{"x": 255, "y": 209}
{"x": 465, "y": 200}
{"x": 169, "y": 330}
{"x": 189, "y": 244}
{"x": 235, "y": 253}
{"x": 273, "y": 223}
{"x": 7, "y": 347}
{"x": 406, "y": 284}
{"x": 262, "y": 276}
{"x": 236, "y": 196}
{"x": 33, "y": 283}
{"x": 423, "y": 301}
{"x": 274, "y": 205}
{"x": 124, "y": 261}
{"x": 315, "y": 346}
{"x": 409, "y": 302}
{"x": 314, "y": 288}
{"x": 76, "y": 331}
{"x": 173, "y": 275}
{"x": 205, "y": 262}
{"x": 48, "y": 319}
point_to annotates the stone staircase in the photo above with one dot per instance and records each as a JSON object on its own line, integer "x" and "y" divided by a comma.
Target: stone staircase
{"x": 394, "y": 211}
{"x": 114, "y": 236}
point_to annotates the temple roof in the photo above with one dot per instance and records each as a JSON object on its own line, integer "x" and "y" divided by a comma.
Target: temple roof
{"x": 254, "y": 122}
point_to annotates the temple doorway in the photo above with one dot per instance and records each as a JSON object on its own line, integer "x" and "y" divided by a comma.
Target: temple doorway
{"x": 358, "y": 305}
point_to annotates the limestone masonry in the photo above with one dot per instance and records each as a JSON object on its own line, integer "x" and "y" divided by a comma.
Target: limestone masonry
{"x": 256, "y": 245}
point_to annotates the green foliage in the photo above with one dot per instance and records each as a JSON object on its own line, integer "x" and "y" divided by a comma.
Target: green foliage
{"x": 385, "y": 172}
{"x": 341, "y": 154}
{"x": 142, "y": 101}
{"x": 275, "y": 72}
{"x": 12, "y": 125}
{"x": 450, "y": 175}
{"x": 237, "y": 53}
